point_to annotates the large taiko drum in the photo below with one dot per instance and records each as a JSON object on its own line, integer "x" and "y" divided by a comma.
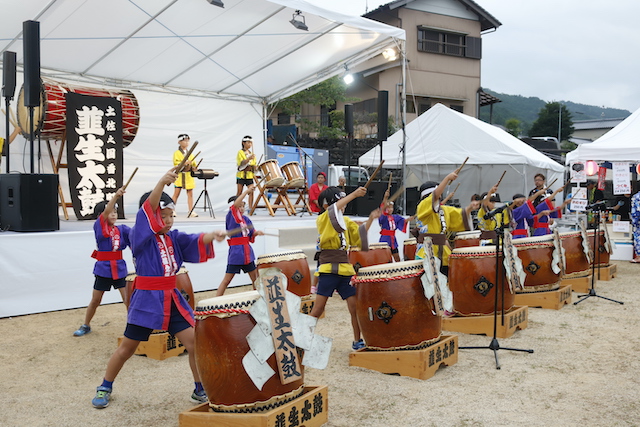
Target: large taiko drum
{"x": 465, "y": 239}
{"x": 183, "y": 283}
{"x": 222, "y": 326}
{"x": 538, "y": 255}
{"x": 294, "y": 265}
{"x": 293, "y": 175}
{"x": 378, "y": 253}
{"x": 602, "y": 247}
{"x": 391, "y": 308}
{"x": 410, "y": 246}
{"x": 472, "y": 280}
{"x": 273, "y": 174}
{"x": 576, "y": 252}
{"x": 50, "y": 118}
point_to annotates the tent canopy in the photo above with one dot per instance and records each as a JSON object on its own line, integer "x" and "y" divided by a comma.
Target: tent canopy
{"x": 440, "y": 139}
{"x": 620, "y": 144}
{"x": 247, "y": 50}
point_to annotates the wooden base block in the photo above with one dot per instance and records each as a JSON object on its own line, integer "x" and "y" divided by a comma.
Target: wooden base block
{"x": 160, "y": 346}
{"x": 607, "y": 273}
{"x": 421, "y": 364}
{"x": 580, "y": 284}
{"x": 309, "y": 410}
{"x": 517, "y": 318}
{"x": 307, "y": 305}
{"x": 554, "y": 300}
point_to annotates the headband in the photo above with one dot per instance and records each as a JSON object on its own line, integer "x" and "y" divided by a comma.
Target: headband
{"x": 165, "y": 205}
{"x": 182, "y": 137}
{"x": 427, "y": 191}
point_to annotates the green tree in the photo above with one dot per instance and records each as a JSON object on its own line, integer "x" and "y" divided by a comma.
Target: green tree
{"x": 324, "y": 94}
{"x": 514, "y": 127}
{"x": 547, "y": 122}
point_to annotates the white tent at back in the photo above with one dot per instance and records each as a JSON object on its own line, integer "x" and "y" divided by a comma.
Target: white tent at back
{"x": 195, "y": 68}
{"x": 440, "y": 139}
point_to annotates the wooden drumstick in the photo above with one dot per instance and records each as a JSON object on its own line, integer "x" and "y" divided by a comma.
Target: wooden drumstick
{"x": 130, "y": 178}
{"x": 553, "y": 182}
{"x": 500, "y": 180}
{"x": 457, "y": 171}
{"x": 450, "y": 195}
{"x": 375, "y": 172}
{"x": 179, "y": 168}
{"x": 198, "y": 164}
{"x": 389, "y": 185}
{"x": 396, "y": 194}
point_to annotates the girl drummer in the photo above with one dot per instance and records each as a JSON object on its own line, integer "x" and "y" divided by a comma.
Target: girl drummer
{"x": 246, "y": 162}
{"x": 185, "y": 179}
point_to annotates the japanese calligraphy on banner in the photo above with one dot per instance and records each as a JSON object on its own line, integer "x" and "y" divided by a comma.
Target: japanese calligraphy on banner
{"x": 602, "y": 176}
{"x": 621, "y": 178}
{"x": 94, "y": 151}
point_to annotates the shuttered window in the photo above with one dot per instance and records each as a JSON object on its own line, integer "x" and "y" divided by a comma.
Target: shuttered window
{"x": 434, "y": 41}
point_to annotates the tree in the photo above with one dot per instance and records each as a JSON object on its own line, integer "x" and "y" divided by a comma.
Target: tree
{"x": 514, "y": 127}
{"x": 325, "y": 94}
{"x": 547, "y": 122}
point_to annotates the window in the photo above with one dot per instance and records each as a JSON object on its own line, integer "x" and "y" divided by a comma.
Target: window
{"x": 458, "y": 108}
{"x": 435, "y": 41}
{"x": 284, "y": 119}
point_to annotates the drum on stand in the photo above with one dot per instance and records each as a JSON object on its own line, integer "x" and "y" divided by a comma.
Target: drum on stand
{"x": 472, "y": 280}
{"x": 410, "y": 246}
{"x": 378, "y": 253}
{"x": 274, "y": 176}
{"x": 537, "y": 256}
{"x": 294, "y": 265}
{"x": 293, "y": 175}
{"x": 602, "y": 251}
{"x": 465, "y": 239}
{"x": 183, "y": 284}
{"x": 222, "y": 326}
{"x": 392, "y": 310}
{"x": 50, "y": 118}
{"x": 578, "y": 264}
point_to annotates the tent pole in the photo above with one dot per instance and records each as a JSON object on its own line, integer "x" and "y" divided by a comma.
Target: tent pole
{"x": 403, "y": 124}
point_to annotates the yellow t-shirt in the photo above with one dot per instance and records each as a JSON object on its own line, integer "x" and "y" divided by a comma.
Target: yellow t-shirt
{"x": 247, "y": 173}
{"x": 189, "y": 183}
{"x": 329, "y": 238}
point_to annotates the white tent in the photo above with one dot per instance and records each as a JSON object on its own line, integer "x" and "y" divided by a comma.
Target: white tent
{"x": 620, "y": 144}
{"x": 440, "y": 139}
{"x": 231, "y": 62}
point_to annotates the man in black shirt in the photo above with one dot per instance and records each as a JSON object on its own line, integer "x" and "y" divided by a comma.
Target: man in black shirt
{"x": 539, "y": 180}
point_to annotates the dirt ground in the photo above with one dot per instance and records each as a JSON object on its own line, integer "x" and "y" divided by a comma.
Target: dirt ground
{"x": 584, "y": 372}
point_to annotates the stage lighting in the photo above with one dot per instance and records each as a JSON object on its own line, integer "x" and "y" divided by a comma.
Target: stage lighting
{"x": 390, "y": 54}
{"x": 348, "y": 78}
{"x": 216, "y": 3}
{"x": 298, "y": 23}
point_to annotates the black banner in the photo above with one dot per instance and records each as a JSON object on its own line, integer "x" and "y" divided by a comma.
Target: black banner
{"x": 94, "y": 151}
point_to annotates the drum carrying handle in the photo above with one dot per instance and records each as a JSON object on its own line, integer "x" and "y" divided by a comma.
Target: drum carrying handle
{"x": 370, "y": 310}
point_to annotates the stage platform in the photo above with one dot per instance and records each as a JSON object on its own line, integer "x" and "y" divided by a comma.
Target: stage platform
{"x": 49, "y": 271}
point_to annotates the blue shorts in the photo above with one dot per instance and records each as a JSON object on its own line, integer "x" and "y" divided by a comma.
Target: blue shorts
{"x": 328, "y": 283}
{"x": 104, "y": 283}
{"x": 236, "y": 268}
{"x": 177, "y": 323}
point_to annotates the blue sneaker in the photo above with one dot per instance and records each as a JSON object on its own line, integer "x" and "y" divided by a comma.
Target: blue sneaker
{"x": 199, "y": 397}
{"x": 103, "y": 394}
{"x": 358, "y": 345}
{"x": 83, "y": 330}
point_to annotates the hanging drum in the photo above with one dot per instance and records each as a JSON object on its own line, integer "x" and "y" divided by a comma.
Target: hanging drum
{"x": 50, "y": 118}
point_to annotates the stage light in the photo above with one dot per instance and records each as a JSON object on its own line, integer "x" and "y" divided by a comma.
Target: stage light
{"x": 216, "y": 3}
{"x": 298, "y": 23}
{"x": 348, "y": 78}
{"x": 390, "y": 54}
{"x": 591, "y": 168}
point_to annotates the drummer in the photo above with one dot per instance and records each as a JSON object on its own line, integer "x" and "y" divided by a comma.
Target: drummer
{"x": 486, "y": 220}
{"x": 185, "y": 179}
{"x": 246, "y": 162}
{"x": 389, "y": 223}
{"x": 546, "y": 214}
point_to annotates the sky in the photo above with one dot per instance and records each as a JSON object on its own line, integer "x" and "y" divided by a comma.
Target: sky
{"x": 557, "y": 50}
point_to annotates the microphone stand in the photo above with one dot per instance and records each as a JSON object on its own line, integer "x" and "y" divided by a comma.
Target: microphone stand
{"x": 596, "y": 254}
{"x": 500, "y": 286}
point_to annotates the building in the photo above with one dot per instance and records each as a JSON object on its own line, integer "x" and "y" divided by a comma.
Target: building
{"x": 586, "y": 131}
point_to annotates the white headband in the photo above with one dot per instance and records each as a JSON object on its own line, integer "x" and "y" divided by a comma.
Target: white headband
{"x": 427, "y": 191}
{"x": 164, "y": 205}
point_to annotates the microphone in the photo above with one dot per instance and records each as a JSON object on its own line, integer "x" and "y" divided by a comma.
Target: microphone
{"x": 496, "y": 211}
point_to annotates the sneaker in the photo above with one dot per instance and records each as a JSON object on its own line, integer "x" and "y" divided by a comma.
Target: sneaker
{"x": 358, "y": 345}
{"x": 83, "y": 330}
{"x": 193, "y": 215}
{"x": 199, "y": 397}
{"x": 103, "y": 394}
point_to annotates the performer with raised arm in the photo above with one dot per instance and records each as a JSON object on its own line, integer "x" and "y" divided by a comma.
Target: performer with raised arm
{"x": 389, "y": 223}
{"x": 246, "y": 162}
{"x": 185, "y": 179}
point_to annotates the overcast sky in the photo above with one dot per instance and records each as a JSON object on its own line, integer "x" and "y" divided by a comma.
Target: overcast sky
{"x": 557, "y": 50}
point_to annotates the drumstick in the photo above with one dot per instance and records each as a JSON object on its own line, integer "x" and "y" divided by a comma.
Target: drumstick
{"x": 461, "y": 166}
{"x": 396, "y": 194}
{"x": 198, "y": 164}
{"x": 450, "y": 195}
{"x": 553, "y": 182}
{"x": 130, "y": 178}
{"x": 389, "y": 185}
{"x": 186, "y": 158}
{"x": 375, "y": 172}
{"x": 500, "y": 180}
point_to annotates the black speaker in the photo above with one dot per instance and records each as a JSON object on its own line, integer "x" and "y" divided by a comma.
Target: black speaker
{"x": 8, "y": 74}
{"x": 348, "y": 119}
{"x": 375, "y": 193}
{"x": 31, "y": 45}
{"x": 413, "y": 198}
{"x": 29, "y": 202}
{"x": 383, "y": 115}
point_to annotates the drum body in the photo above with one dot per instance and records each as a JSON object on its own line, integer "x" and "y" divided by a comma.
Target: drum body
{"x": 600, "y": 253}
{"x": 183, "y": 284}
{"x": 391, "y": 308}
{"x": 274, "y": 176}
{"x": 472, "y": 280}
{"x": 378, "y": 253}
{"x": 50, "y": 118}
{"x": 410, "y": 246}
{"x": 536, "y": 254}
{"x": 577, "y": 262}
{"x": 465, "y": 239}
{"x": 293, "y": 175}
{"x": 220, "y": 345}
{"x": 294, "y": 265}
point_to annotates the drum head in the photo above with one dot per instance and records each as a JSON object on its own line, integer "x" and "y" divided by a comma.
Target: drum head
{"x": 24, "y": 119}
{"x": 241, "y": 300}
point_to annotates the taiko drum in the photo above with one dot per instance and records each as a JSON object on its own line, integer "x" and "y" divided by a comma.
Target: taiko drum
{"x": 378, "y": 253}
{"x": 578, "y": 264}
{"x": 293, "y": 175}
{"x": 601, "y": 254}
{"x": 472, "y": 280}
{"x": 294, "y": 265}
{"x": 392, "y": 310}
{"x": 536, "y": 254}
{"x": 273, "y": 174}
{"x": 222, "y": 326}
{"x": 465, "y": 239}
{"x": 409, "y": 249}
